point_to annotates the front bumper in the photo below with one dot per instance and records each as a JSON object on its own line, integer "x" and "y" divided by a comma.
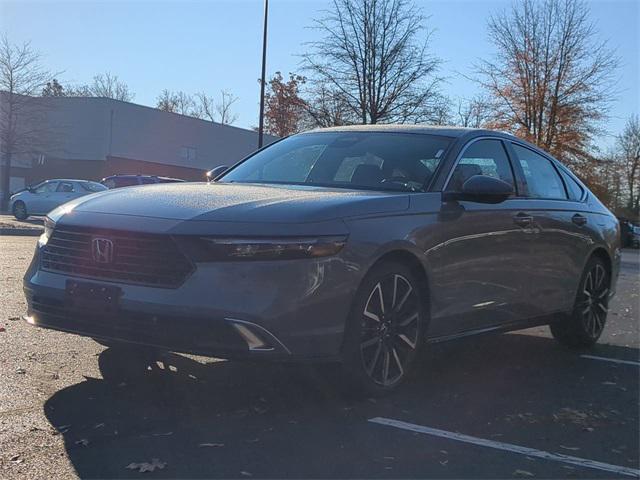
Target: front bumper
{"x": 274, "y": 310}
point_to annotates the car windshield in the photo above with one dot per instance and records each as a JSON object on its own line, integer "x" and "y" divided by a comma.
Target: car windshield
{"x": 356, "y": 160}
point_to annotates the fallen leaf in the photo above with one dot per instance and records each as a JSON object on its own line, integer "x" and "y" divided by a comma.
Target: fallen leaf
{"x": 147, "y": 467}
{"x": 211, "y": 445}
{"x": 2, "y": 329}
{"x": 522, "y": 473}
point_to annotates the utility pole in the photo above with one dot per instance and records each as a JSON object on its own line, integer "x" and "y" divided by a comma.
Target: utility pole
{"x": 262, "y": 79}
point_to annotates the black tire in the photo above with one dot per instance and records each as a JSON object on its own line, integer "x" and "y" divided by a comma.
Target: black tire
{"x": 584, "y": 325}
{"x": 20, "y": 210}
{"x": 385, "y": 329}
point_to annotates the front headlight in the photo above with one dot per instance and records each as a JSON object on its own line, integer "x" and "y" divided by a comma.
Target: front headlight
{"x": 221, "y": 249}
{"x": 49, "y": 225}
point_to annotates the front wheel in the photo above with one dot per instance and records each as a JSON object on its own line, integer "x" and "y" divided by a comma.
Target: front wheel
{"x": 583, "y": 327}
{"x": 385, "y": 329}
{"x": 20, "y": 210}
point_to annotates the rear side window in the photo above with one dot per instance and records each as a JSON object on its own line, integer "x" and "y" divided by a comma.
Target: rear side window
{"x": 65, "y": 187}
{"x": 574, "y": 190}
{"x": 543, "y": 181}
{"x": 484, "y": 157}
{"x": 93, "y": 186}
{"x": 126, "y": 181}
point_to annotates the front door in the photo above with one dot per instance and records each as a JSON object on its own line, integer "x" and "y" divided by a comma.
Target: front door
{"x": 40, "y": 198}
{"x": 478, "y": 261}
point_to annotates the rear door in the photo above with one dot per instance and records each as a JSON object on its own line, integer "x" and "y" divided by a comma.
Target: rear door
{"x": 481, "y": 252}
{"x": 563, "y": 231}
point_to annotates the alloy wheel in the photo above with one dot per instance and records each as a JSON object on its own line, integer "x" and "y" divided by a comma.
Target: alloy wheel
{"x": 20, "y": 210}
{"x": 594, "y": 304}
{"x": 390, "y": 329}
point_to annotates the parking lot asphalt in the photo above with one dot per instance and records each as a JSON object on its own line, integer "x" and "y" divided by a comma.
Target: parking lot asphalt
{"x": 510, "y": 406}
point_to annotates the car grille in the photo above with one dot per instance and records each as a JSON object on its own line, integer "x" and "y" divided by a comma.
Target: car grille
{"x": 137, "y": 258}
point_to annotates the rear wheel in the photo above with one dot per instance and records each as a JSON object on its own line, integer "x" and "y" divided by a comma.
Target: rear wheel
{"x": 585, "y": 324}
{"x": 20, "y": 210}
{"x": 385, "y": 329}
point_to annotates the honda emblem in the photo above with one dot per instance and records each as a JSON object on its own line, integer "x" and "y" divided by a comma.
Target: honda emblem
{"x": 102, "y": 250}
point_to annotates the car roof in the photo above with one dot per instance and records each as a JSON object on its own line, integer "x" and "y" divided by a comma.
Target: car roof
{"x": 449, "y": 131}
{"x": 67, "y": 180}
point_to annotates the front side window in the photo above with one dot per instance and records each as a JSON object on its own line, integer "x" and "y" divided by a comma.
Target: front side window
{"x": 540, "y": 175}
{"x": 358, "y": 160}
{"x": 47, "y": 187}
{"x": 148, "y": 180}
{"x": 484, "y": 157}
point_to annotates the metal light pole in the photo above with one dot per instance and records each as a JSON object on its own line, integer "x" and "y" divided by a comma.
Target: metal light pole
{"x": 263, "y": 80}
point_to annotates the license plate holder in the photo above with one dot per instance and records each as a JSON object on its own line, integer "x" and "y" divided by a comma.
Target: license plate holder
{"x": 92, "y": 297}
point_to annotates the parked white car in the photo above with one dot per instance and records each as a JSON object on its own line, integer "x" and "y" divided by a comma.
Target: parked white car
{"x": 40, "y": 199}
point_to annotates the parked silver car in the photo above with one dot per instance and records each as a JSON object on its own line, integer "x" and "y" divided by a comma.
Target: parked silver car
{"x": 44, "y": 197}
{"x": 359, "y": 245}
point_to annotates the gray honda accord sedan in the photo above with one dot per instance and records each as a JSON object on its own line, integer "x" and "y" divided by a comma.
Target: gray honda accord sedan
{"x": 358, "y": 245}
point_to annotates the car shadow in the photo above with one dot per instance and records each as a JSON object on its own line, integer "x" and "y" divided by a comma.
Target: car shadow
{"x": 234, "y": 419}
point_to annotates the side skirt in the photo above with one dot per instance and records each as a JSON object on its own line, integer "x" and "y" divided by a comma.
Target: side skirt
{"x": 504, "y": 328}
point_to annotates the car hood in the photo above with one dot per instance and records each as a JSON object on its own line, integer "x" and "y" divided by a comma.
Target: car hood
{"x": 244, "y": 203}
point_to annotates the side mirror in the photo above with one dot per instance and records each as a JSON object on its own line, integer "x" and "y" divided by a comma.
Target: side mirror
{"x": 482, "y": 189}
{"x": 31, "y": 189}
{"x": 216, "y": 172}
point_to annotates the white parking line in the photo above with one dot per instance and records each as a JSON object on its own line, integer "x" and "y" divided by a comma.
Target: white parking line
{"x": 613, "y": 360}
{"x": 531, "y": 452}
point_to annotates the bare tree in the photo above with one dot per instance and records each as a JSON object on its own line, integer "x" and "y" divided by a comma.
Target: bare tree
{"x": 326, "y": 107}
{"x": 220, "y": 111}
{"x": 628, "y": 144}
{"x": 370, "y": 54}
{"x": 22, "y": 79}
{"x": 103, "y": 85}
{"x": 109, "y": 86}
{"x": 223, "y": 107}
{"x": 166, "y": 101}
{"x": 474, "y": 112}
{"x": 552, "y": 79}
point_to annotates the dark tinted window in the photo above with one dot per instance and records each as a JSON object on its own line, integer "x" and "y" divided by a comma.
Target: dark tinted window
{"x": 147, "y": 180}
{"x": 573, "y": 188}
{"x": 484, "y": 157}
{"x": 369, "y": 160}
{"x": 541, "y": 176}
{"x": 125, "y": 181}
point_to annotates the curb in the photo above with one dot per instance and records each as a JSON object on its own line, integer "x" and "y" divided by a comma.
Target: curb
{"x": 29, "y": 232}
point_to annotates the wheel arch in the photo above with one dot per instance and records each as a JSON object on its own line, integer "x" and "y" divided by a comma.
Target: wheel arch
{"x": 602, "y": 254}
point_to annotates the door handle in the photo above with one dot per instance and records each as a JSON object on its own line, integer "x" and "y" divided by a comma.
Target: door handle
{"x": 523, "y": 220}
{"x": 579, "y": 219}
